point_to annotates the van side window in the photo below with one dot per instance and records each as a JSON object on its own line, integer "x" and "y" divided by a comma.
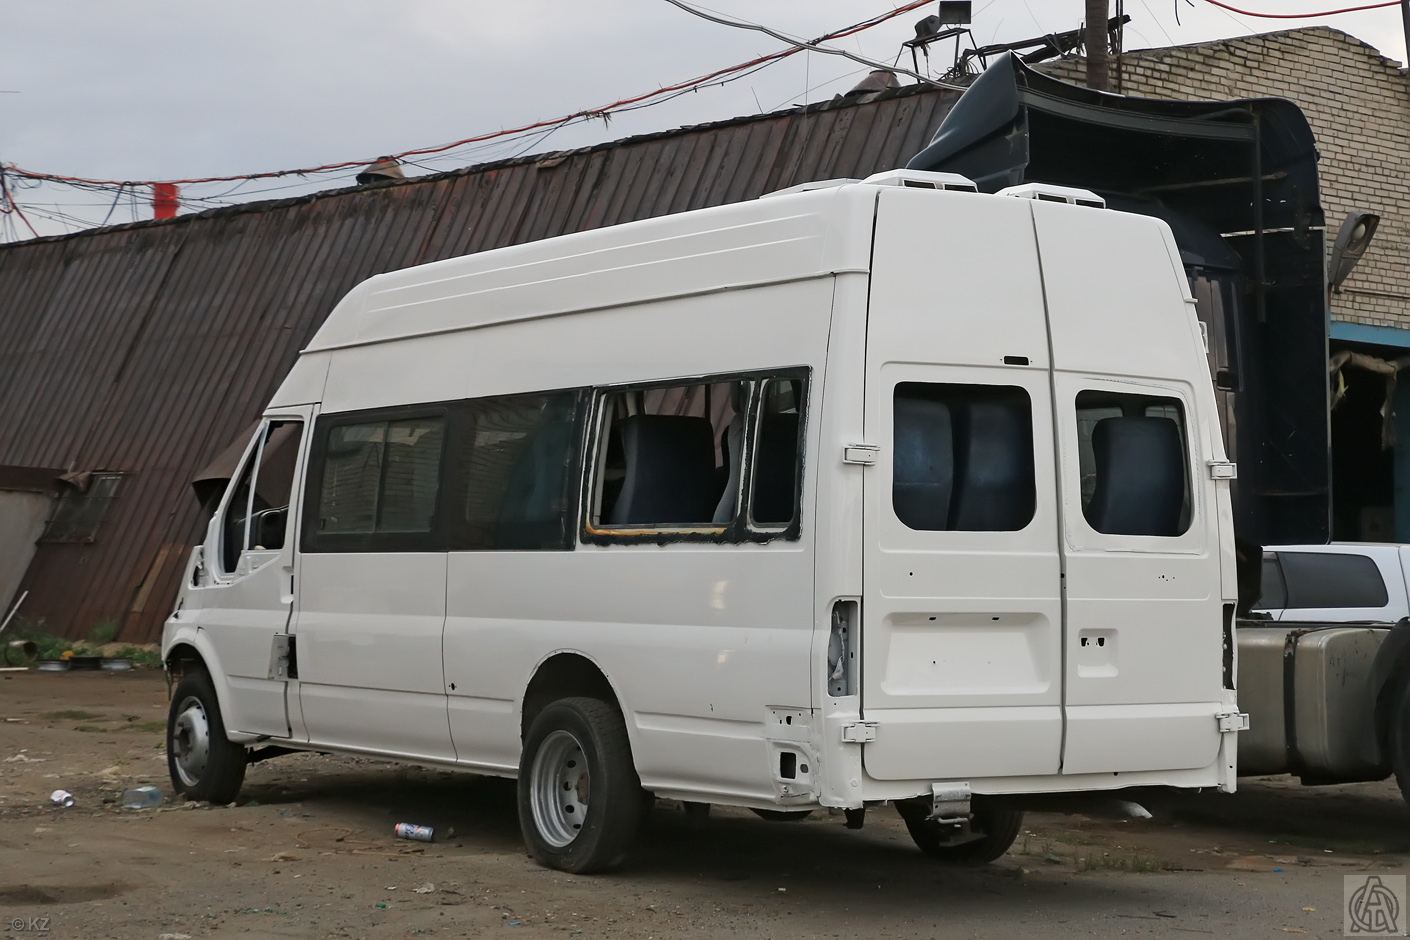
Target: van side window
{"x": 512, "y": 473}
{"x": 1133, "y": 458}
{"x": 379, "y": 477}
{"x": 717, "y": 459}
{"x": 774, "y": 482}
{"x": 963, "y": 457}
{"x": 1327, "y": 580}
{"x": 274, "y": 482}
{"x": 671, "y": 457}
{"x": 257, "y": 519}
{"x": 237, "y": 513}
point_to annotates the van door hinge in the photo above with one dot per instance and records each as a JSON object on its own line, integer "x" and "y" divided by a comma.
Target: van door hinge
{"x": 861, "y": 454}
{"x": 859, "y": 732}
{"x": 1222, "y": 469}
{"x": 1232, "y": 721}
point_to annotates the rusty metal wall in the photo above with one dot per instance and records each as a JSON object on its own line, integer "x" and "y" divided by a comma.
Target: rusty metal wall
{"x": 148, "y": 348}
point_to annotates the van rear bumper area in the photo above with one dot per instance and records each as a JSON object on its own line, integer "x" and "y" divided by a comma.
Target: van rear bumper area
{"x": 970, "y": 743}
{"x": 1203, "y": 778}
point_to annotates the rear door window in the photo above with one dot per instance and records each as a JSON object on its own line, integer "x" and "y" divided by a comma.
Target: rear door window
{"x": 963, "y": 457}
{"x": 1134, "y": 461}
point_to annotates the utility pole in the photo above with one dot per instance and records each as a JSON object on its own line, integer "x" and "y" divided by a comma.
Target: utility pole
{"x": 1098, "y": 47}
{"x": 1405, "y": 25}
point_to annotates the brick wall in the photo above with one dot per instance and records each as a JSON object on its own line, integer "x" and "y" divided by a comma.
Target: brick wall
{"x": 1358, "y": 103}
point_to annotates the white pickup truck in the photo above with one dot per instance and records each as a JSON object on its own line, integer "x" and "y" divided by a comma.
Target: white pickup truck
{"x": 1324, "y": 665}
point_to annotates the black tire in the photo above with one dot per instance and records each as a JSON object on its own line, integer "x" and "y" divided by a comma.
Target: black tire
{"x": 782, "y": 815}
{"x": 194, "y": 717}
{"x": 580, "y": 800}
{"x": 1000, "y": 827}
{"x": 1398, "y": 737}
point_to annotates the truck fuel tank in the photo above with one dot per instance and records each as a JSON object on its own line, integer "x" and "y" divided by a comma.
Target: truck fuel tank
{"x": 1308, "y": 691}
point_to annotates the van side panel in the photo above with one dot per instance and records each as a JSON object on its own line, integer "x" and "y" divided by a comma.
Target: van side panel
{"x": 700, "y": 641}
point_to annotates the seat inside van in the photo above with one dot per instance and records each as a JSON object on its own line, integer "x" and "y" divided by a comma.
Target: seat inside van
{"x": 670, "y": 471}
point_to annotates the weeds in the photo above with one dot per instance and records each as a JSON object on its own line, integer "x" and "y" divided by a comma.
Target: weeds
{"x": 140, "y": 657}
{"x": 53, "y": 647}
{"x": 103, "y": 632}
{"x": 70, "y": 714}
{"x": 1108, "y": 862}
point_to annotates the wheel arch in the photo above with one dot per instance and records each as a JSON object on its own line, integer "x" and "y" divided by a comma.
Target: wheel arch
{"x": 563, "y": 674}
{"x": 192, "y": 651}
{"x": 1389, "y": 677}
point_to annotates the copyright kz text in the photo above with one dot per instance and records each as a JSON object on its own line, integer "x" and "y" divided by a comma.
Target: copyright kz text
{"x": 29, "y": 924}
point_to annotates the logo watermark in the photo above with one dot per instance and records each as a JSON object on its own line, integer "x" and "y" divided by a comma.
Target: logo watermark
{"x": 29, "y": 924}
{"x": 1374, "y": 906}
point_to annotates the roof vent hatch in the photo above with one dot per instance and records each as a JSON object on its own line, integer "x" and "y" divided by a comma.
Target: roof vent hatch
{"x": 923, "y": 179}
{"x": 1046, "y": 192}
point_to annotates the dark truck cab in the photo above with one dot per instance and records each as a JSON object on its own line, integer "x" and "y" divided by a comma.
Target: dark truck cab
{"x": 1237, "y": 183}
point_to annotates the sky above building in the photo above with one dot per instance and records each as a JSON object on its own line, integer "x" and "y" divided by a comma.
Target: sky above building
{"x": 156, "y": 89}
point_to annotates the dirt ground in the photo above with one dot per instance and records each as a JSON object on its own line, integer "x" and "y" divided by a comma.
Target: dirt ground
{"x": 308, "y": 852}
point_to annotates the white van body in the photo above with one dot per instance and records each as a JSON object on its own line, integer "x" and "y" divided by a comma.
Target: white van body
{"x": 1034, "y": 656}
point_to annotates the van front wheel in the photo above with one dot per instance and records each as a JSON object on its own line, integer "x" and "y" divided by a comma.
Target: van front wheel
{"x": 580, "y": 802}
{"x": 996, "y": 827}
{"x": 202, "y": 762}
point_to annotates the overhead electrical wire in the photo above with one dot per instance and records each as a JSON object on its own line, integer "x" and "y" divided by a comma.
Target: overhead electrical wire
{"x": 813, "y": 45}
{"x": 644, "y": 99}
{"x": 1303, "y": 16}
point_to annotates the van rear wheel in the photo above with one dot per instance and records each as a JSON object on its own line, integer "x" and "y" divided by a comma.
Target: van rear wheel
{"x": 203, "y": 763}
{"x": 997, "y": 828}
{"x": 580, "y": 800}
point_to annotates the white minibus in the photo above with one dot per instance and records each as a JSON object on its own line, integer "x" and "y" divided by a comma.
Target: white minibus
{"x": 864, "y": 492}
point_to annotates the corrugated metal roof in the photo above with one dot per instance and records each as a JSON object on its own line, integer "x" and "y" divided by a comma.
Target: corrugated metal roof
{"x": 147, "y": 348}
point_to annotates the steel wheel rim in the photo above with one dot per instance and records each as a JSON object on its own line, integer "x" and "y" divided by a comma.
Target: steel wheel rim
{"x": 190, "y": 741}
{"x": 559, "y": 789}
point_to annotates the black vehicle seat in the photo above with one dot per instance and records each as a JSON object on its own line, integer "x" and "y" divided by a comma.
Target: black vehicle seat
{"x": 1140, "y": 476}
{"x": 994, "y": 488}
{"x": 670, "y": 479}
{"x": 924, "y": 467}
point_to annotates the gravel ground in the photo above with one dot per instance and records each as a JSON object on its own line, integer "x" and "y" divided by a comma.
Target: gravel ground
{"x": 308, "y": 852}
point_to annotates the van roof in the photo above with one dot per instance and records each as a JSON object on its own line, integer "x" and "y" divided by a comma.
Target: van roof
{"x": 794, "y": 237}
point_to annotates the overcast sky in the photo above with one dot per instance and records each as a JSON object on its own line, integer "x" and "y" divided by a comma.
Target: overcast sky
{"x": 158, "y": 89}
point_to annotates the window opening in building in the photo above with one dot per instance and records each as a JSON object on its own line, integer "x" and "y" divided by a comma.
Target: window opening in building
{"x": 78, "y": 513}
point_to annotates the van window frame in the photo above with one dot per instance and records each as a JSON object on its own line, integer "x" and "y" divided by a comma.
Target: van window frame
{"x": 433, "y": 540}
{"x": 1193, "y": 513}
{"x": 455, "y": 478}
{"x": 741, "y": 529}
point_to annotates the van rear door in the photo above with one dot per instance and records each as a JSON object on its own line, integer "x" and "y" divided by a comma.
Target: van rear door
{"x": 962, "y": 629}
{"x": 1143, "y": 649}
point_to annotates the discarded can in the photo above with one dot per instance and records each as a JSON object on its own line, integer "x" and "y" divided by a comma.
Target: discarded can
{"x": 61, "y": 798}
{"x": 413, "y": 831}
{"x": 141, "y": 798}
